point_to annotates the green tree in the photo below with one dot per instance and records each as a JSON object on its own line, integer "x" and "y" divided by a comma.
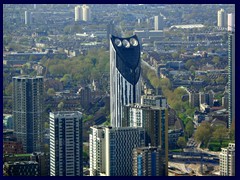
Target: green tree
{"x": 181, "y": 142}
{"x": 51, "y": 92}
{"x": 220, "y": 133}
{"x": 215, "y": 59}
{"x": 203, "y": 133}
{"x": 189, "y": 129}
{"x": 60, "y": 105}
{"x": 8, "y": 89}
{"x": 221, "y": 80}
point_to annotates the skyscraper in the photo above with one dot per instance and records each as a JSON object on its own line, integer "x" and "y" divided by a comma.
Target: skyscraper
{"x": 28, "y": 111}
{"x": 125, "y": 68}
{"x": 154, "y": 120}
{"x": 222, "y": 18}
{"x": 66, "y": 143}
{"x": 111, "y": 149}
{"x": 148, "y": 161}
{"x": 158, "y": 23}
{"x": 231, "y": 77}
{"x": 28, "y": 17}
{"x": 78, "y": 13}
{"x": 97, "y": 156}
{"x": 231, "y": 22}
{"x": 86, "y": 13}
{"x": 227, "y": 161}
{"x": 110, "y": 31}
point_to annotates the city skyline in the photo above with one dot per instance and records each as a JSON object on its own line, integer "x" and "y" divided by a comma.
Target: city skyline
{"x": 105, "y": 89}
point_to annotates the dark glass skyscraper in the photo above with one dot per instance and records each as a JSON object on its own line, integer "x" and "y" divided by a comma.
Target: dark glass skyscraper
{"x": 125, "y": 68}
{"x": 28, "y": 112}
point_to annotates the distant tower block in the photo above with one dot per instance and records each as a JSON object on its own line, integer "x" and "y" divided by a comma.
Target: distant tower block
{"x": 158, "y": 23}
{"x": 86, "y": 14}
{"x": 231, "y": 22}
{"x": 222, "y": 18}
{"x": 78, "y": 13}
{"x": 28, "y": 18}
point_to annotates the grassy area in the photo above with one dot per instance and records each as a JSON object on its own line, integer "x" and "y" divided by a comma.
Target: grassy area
{"x": 214, "y": 144}
{"x": 175, "y": 150}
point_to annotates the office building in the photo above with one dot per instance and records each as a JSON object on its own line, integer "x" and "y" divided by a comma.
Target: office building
{"x": 86, "y": 13}
{"x": 193, "y": 98}
{"x": 43, "y": 160}
{"x": 206, "y": 98}
{"x": 231, "y": 77}
{"x": 158, "y": 23}
{"x": 66, "y": 143}
{"x": 23, "y": 168}
{"x": 148, "y": 161}
{"x": 151, "y": 100}
{"x": 28, "y": 112}
{"x": 222, "y": 18}
{"x": 227, "y": 160}
{"x": 110, "y": 152}
{"x": 78, "y": 13}
{"x": 97, "y": 151}
{"x": 125, "y": 68}
{"x": 154, "y": 120}
{"x": 28, "y": 17}
{"x": 119, "y": 150}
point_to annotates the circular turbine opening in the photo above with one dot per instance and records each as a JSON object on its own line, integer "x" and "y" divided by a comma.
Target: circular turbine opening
{"x": 118, "y": 42}
{"x": 133, "y": 42}
{"x": 126, "y": 44}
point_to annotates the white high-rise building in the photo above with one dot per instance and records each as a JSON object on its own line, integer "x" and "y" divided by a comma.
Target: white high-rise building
{"x": 227, "y": 160}
{"x": 28, "y": 17}
{"x": 97, "y": 151}
{"x": 158, "y": 23}
{"x": 86, "y": 13}
{"x": 111, "y": 150}
{"x": 222, "y": 18}
{"x": 66, "y": 143}
{"x": 78, "y": 13}
{"x": 231, "y": 22}
{"x": 125, "y": 68}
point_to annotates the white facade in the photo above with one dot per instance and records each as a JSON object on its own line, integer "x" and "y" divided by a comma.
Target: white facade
{"x": 86, "y": 14}
{"x": 78, "y": 13}
{"x": 97, "y": 151}
{"x": 111, "y": 150}
{"x": 231, "y": 22}
{"x": 66, "y": 143}
{"x": 222, "y": 18}
{"x": 28, "y": 17}
{"x": 227, "y": 160}
{"x": 158, "y": 23}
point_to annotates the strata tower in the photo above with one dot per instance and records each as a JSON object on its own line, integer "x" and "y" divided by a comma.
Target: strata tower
{"x": 125, "y": 68}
